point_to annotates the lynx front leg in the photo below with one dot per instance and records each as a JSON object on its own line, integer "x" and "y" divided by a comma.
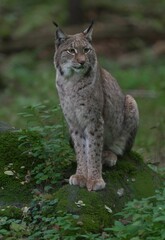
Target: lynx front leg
{"x": 94, "y": 147}
{"x": 79, "y": 178}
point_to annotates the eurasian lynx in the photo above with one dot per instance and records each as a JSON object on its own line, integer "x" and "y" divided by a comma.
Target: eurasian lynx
{"x": 102, "y": 120}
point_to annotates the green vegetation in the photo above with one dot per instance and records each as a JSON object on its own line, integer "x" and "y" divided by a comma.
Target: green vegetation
{"x": 27, "y": 72}
{"x": 69, "y": 212}
{"x": 36, "y": 160}
{"x": 52, "y": 148}
{"x": 140, "y": 219}
{"x": 15, "y": 169}
{"x": 41, "y": 152}
{"x": 36, "y": 83}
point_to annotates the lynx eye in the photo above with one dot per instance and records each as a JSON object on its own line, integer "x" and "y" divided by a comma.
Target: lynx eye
{"x": 71, "y": 51}
{"x": 86, "y": 50}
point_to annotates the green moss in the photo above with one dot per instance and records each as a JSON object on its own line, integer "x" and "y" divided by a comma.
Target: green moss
{"x": 130, "y": 174}
{"x": 93, "y": 215}
{"x": 13, "y": 159}
{"x": 145, "y": 183}
{"x": 11, "y": 212}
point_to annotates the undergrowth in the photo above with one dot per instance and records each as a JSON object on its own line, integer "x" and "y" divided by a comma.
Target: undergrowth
{"x": 52, "y": 147}
{"x": 140, "y": 219}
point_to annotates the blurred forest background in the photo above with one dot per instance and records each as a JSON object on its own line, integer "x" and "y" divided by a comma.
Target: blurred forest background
{"x": 129, "y": 37}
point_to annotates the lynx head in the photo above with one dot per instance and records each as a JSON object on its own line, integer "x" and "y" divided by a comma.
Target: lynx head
{"x": 74, "y": 53}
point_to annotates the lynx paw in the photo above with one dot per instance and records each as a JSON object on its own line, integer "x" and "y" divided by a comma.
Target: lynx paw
{"x": 79, "y": 180}
{"x": 95, "y": 184}
{"x": 109, "y": 158}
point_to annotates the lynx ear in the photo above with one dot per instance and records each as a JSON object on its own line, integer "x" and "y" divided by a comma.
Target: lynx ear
{"x": 88, "y": 32}
{"x": 60, "y": 35}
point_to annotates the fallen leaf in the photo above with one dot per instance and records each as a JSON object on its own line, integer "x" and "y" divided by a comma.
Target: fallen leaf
{"x": 9, "y": 173}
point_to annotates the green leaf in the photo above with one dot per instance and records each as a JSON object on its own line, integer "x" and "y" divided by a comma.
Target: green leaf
{"x": 159, "y": 219}
{"x": 135, "y": 238}
{"x": 4, "y": 232}
{"x": 9, "y": 173}
{"x": 17, "y": 227}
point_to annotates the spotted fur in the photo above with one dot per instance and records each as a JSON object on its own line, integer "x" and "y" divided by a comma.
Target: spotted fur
{"x": 102, "y": 120}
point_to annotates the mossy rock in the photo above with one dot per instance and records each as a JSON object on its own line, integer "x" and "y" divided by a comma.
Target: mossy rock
{"x": 11, "y": 212}
{"x": 130, "y": 179}
{"x": 12, "y": 159}
{"x": 5, "y": 127}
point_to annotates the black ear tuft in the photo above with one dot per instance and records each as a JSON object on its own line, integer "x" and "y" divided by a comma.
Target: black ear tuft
{"x": 55, "y": 24}
{"x": 60, "y": 35}
{"x": 89, "y": 28}
{"x": 88, "y": 31}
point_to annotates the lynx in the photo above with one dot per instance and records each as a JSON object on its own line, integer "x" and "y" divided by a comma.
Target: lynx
{"x": 102, "y": 120}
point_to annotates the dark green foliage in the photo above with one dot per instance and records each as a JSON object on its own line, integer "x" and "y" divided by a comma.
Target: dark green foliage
{"x": 39, "y": 154}
{"x": 130, "y": 175}
{"x": 14, "y": 188}
{"x": 42, "y": 152}
{"x": 41, "y": 157}
{"x": 141, "y": 219}
{"x": 52, "y": 148}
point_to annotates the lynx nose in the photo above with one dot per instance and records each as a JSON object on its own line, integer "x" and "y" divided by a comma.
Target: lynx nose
{"x": 82, "y": 62}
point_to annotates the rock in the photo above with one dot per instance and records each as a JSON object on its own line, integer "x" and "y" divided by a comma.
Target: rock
{"x": 130, "y": 179}
{"x": 5, "y": 127}
{"x": 98, "y": 208}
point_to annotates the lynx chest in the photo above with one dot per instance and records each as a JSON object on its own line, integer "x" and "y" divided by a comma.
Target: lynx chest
{"x": 76, "y": 102}
{"x": 71, "y": 102}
